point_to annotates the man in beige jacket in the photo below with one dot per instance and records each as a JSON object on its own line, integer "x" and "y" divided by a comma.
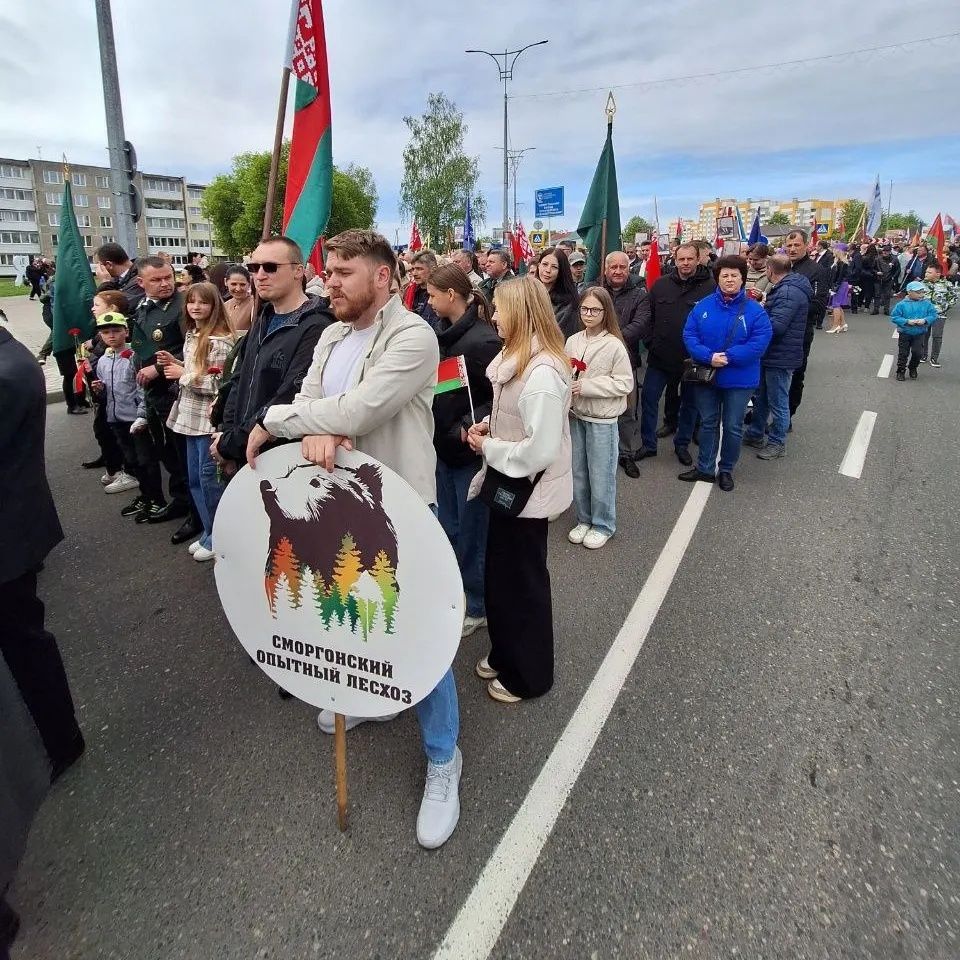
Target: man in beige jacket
{"x": 370, "y": 387}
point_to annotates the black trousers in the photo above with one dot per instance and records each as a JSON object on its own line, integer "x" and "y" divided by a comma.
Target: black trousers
{"x": 170, "y": 449}
{"x": 140, "y": 461}
{"x": 671, "y": 401}
{"x": 909, "y": 347}
{"x": 113, "y": 458}
{"x": 67, "y": 366}
{"x": 796, "y": 384}
{"x": 519, "y": 605}
{"x": 35, "y": 290}
{"x": 34, "y": 660}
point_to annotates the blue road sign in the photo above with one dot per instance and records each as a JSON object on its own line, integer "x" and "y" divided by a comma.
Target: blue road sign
{"x": 823, "y": 228}
{"x": 548, "y": 202}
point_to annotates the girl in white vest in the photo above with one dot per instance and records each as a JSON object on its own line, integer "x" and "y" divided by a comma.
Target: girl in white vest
{"x": 527, "y": 435}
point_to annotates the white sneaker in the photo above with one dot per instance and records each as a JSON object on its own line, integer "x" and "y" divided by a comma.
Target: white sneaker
{"x": 202, "y": 554}
{"x": 577, "y": 534}
{"x": 440, "y": 807}
{"x": 594, "y": 540}
{"x": 121, "y": 483}
{"x": 472, "y": 625}
{"x": 325, "y": 720}
{"x": 108, "y": 478}
{"x": 194, "y": 547}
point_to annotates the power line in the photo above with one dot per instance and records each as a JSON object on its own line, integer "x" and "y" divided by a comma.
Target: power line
{"x": 904, "y": 45}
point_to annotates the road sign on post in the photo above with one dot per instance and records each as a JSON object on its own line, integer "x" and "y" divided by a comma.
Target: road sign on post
{"x": 537, "y": 240}
{"x": 548, "y": 202}
{"x": 823, "y": 228}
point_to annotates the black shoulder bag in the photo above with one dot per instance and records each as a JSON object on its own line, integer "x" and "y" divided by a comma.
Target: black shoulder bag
{"x": 507, "y": 495}
{"x": 704, "y": 373}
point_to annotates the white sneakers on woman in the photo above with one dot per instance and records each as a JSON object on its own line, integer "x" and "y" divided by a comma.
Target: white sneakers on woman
{"x": 591, "y": 538}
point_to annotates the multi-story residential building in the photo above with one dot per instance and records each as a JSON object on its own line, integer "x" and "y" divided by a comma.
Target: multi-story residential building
{"x": 798, "y": 212}
{"x": 31, "y": 195}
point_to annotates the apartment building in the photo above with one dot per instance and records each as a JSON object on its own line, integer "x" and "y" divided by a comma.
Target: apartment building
{"x": 798, "y": 212}
{"x": 31, "y": 195}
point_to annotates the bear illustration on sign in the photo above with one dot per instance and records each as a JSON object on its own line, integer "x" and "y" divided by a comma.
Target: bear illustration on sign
{"x": 332, "y": 546}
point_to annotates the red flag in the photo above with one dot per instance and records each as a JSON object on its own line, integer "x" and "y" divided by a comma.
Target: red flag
{"x": 935, "y": 233}
{"x": 526, "y": 251}
{"x": 813, "y": 228}
{"x": 679, "y": 234}
{"x": 515, "y": 249}
{"x": 653, "y": 265}
{"x": 415, "y": 241}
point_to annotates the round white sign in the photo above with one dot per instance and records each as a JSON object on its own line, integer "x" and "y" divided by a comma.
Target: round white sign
{"x": 343, "y": 587}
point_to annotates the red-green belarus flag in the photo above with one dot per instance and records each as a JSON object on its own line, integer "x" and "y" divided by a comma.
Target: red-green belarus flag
{"x": 306, "y": 207}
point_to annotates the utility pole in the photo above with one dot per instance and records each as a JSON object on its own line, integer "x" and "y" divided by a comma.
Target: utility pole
{"x": 120, "y": 181}
{"x": 515, "y": 157}
{"x": 509, "y": 58}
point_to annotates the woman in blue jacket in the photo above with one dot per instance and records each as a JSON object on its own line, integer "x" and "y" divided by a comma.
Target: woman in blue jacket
{"x": 729, "y": 332}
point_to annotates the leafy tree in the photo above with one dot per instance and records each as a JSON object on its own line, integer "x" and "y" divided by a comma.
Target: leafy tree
{"x": 852, "y": 211}
{"x": 437, "y": 175}
{"x": 778, "y": 219}
{"x": 634, "y": 226}
{"x": 235, "y": 202}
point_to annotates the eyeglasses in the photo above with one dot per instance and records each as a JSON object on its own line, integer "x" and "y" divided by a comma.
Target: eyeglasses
{"x": 269, "y": 267}
{"x": 591, "y": 311}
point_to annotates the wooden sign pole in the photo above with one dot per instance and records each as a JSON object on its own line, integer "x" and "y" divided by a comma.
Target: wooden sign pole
{"x": 340, "y": 757}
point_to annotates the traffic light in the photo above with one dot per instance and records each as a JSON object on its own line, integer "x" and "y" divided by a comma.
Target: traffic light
{"x": 130, "y": 175}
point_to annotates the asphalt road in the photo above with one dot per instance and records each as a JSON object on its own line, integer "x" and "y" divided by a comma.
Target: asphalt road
{"x": 778, "y": 777}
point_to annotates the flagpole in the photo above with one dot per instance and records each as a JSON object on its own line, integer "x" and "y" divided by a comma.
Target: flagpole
{"x": 610, "y": 109}
{"x": 275, "y": 159}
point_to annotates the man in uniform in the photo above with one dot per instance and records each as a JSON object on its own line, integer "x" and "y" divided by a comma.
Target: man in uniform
{"x": 156, "y": 337}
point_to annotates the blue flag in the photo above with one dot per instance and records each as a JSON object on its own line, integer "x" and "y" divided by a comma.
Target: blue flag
{"x": 755, "y": 230}
{"x": 468, "y": 229}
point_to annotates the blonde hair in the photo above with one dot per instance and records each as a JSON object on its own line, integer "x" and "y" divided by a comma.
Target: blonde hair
{"x": 611, "y": 322}
{"x": 525, "y": 312}
{"x": 216, "y": 324}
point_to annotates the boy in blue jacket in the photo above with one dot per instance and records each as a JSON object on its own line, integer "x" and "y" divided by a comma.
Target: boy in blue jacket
{"x": 912, "y": 317}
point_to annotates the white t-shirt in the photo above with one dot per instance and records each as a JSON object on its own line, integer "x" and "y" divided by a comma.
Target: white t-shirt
{"x": 345, "y": 358}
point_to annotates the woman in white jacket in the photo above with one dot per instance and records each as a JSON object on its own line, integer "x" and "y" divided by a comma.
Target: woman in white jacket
{"x": 527, "y": 435}
{"x": 602, "y": 379}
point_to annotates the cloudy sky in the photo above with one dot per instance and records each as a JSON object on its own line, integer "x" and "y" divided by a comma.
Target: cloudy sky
{"x": 200, "y": 81}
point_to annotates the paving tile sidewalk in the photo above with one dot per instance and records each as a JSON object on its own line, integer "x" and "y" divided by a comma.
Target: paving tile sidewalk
{"x": 26, "y": 324}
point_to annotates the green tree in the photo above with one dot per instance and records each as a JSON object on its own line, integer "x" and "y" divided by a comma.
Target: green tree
{"x": 778, "y": 219}
{"x": 902, "y": 221}
{"x": 437, "y": 175}
{"x": 852, "y": 212}
{"x": 634, "y": 226}
{"x": 235, "y": 202}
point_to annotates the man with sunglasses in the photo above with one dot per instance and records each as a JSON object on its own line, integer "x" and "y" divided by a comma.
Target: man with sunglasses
{"x": 275, "y": 355}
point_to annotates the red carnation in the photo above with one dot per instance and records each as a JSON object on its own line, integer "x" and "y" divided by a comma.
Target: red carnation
{"x": 127, "y": 354}
{"x": 215, "y": 371}
{"x": 74, "y": 331}
{"x": 577, "y": 365}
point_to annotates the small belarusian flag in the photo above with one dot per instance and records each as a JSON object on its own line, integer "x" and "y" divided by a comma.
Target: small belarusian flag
{"x": 451, "y": 375}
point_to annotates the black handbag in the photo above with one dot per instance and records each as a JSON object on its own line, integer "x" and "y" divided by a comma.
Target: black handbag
{"x": 505, "y": 495}
{"x": 704, "y": 373}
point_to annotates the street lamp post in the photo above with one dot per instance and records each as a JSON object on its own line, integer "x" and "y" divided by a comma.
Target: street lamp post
{"x": 515, "y": 157}
{"x": 505, "y": 63}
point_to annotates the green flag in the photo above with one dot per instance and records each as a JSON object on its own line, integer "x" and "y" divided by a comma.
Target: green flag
{"x": 74, "y": 288}
{"x": 602, "y": 204}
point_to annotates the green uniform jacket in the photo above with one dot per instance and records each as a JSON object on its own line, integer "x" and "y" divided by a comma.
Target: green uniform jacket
{"x": 155, "y": 325}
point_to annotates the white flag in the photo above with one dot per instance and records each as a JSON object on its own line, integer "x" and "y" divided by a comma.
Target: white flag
{"x": 874, "y": 211}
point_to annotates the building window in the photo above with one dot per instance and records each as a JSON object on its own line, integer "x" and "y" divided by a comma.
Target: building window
{"x": 16, "y": 216}
{"x": 165, "y": 223}
{"x": 81, "y": 200}
{"x": 52, "y": 176}
{"x": 106, "y": 239}
{"x": 54, "y": 199}
{"x": 79, "y": 179}
{"x": 54, "y": 239}
{"x": 83, "y": 219}
{"x": 87, "y": 240}
{"x": 15, "y": 173}
{"x": 9, "y": 193}
{"x": 194, "y": 193}
{"x": 103, "y": 203}
{"x": 161, "y": 186}
{"x": 102, "y": 182}
{"x": 53, "y": 219}
{"x": 106, "y": 221}
{"x": 18, "y": 237}
{"x": 194, "y": 212}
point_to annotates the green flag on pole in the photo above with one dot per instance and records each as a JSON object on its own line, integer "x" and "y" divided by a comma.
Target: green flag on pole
{"x": 599, "y": 225}
{"x": 74, "y": 288}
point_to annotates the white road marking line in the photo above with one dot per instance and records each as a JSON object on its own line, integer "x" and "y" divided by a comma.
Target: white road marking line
{"x": 886, "y": 365}
{"x": 856, "y": 455}
{"x": 896, "y": 333}
{"x": 477, "y": 927}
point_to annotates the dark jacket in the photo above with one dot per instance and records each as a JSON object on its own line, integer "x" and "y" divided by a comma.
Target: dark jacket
{"x": 889, "y": 268}
{"x": 489, "y": 286}
{"x": 568, "y": 316}
{"x": 819, "y": 278}
{"x": 420, "y": 305}
{"x": 477, "y": 342}
{"x": 787, "y": 304}
{"x": 740, "y": 329}
{"x": 29, "y": 526}
{"x": 915, "y": 269}
{"x": 626, "y": 302}
{"x": 270, "y": 370}
{"x": 158, "y": 325}
{"x": 663, "y": 313}
{"x": 127, "y": 283}
{"x": 839, "y": 273}
{"x": 826, "y": 259}
{"x": 854, "y": 267}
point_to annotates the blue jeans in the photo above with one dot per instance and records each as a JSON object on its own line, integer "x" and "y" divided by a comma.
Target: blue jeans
{"x": 715, "y": 406}
{"x": 595, "y": 473}
{"x": 773, "y": 401}
{"x": 655, "y": 381}
{"x": 465, "y": 523}
{"x": 205, "y": 489}
{"x": 439, "y": 716}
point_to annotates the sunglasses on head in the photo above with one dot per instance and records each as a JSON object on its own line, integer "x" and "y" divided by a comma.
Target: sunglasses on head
{"x": 270, "y": 267}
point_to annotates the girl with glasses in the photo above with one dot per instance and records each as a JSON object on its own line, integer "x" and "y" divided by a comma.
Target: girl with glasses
{"x": 602, "y": 380}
